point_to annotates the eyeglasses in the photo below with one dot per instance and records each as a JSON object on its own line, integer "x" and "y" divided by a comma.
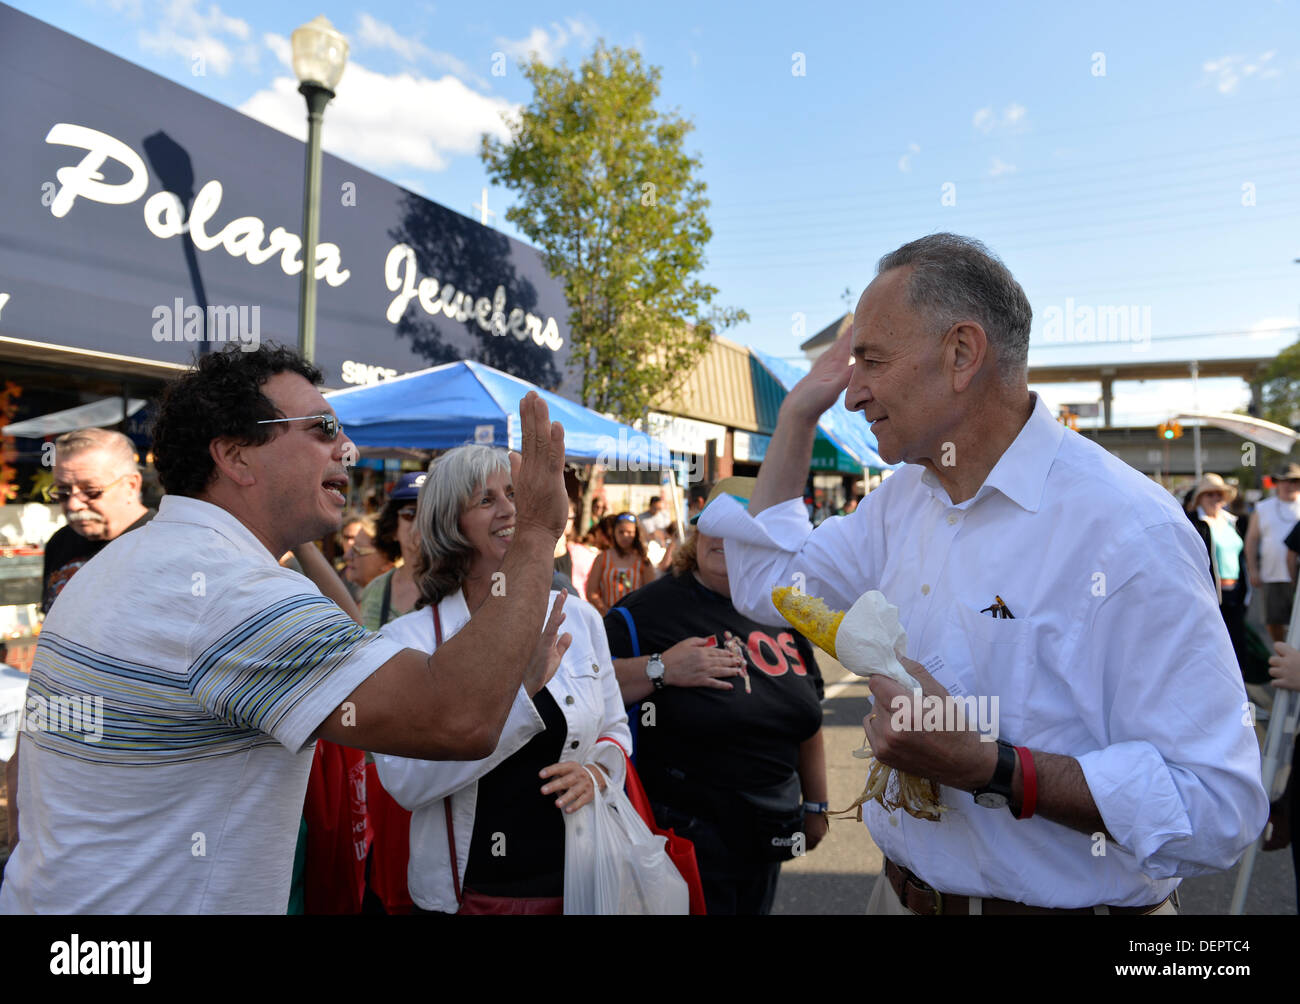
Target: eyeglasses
{"x": 407, "y": 512}
{"x": 329, "y": 424}
{"x": 61, "y": 493}
{"x": 363, "y": 552}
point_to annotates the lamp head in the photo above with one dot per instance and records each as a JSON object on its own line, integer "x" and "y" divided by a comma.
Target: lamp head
{"x": 320, "y": 53}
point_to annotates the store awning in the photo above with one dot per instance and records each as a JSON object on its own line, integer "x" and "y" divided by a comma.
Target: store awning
{"x": 98, "y": 414}
{"x": 468, "y": 402}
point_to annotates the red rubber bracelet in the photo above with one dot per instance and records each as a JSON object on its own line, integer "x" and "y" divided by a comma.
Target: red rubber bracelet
{"x": 1030, "y": 778}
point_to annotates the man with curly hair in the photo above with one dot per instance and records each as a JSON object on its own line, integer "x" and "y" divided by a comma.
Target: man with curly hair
{"x": 208, "y": 671}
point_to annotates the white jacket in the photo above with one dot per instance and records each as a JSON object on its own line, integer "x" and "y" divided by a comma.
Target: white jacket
{"x": 587, "y": 692}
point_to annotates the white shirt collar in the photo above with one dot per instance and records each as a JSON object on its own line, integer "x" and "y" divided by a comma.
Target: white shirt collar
{"x": 183, "y": 509}
{"x": 1021, "y": 472}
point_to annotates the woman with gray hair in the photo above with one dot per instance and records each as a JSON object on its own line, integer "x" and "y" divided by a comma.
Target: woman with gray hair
{"x": 485, "y": 835}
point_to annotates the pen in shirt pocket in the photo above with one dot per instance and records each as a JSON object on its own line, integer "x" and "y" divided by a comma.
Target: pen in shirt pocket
{"x": 999, "y": 609}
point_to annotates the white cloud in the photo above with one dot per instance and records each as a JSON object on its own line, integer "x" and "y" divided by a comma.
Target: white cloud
{"x": 387, "y": 122}
{"x": 280, "y": 47}
{"x": 182, "y": 30}
{"x": 547, "y": 45}
{"x": 1227, "y": 72}
{"x": 1000, "y": 167}
{"x": 986, "y": 119}
{"x": 905, "y": 161}
{"x": 375, "y": 34}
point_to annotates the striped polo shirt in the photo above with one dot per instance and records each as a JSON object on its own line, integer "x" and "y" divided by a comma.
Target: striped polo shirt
{"x": 164, "y": 752}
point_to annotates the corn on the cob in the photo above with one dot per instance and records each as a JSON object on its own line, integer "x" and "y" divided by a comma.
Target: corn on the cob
{"x": 810, "y": 616}
{"x": 917, "y": 796}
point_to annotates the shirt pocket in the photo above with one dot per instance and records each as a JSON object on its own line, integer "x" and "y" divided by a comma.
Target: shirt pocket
{"x": 990, "y": 659}
{"x": 581, "y": 697}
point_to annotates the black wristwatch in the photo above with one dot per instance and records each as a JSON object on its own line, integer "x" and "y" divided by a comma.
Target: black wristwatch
{"x": 997, "y": 793}
{"x": 655, "y": 670}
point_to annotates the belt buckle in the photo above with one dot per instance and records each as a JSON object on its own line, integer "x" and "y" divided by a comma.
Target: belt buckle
{"x": 911, "y": 878}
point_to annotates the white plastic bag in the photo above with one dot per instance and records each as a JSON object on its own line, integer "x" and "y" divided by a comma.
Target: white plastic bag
{"x": 613, "y": 864}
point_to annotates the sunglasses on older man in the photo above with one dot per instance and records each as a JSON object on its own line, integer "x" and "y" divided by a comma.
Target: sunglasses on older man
{"x": 328, "y": 424}
{"x": 61, "y": 493}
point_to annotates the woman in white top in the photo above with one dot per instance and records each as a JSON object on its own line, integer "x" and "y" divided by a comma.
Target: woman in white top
{"x": 504, "y": 813}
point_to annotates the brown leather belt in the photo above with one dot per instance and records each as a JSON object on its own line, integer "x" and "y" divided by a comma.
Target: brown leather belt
{"x": 921, "y": 898}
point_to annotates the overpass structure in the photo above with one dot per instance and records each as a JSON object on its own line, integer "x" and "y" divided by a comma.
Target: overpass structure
{"x": 1248, "y": 368}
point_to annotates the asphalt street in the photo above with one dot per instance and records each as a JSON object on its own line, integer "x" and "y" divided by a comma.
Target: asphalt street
{"x": 838, "y": 876}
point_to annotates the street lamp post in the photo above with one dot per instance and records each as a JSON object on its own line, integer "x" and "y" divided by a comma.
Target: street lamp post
{"x": 319, "y": 55}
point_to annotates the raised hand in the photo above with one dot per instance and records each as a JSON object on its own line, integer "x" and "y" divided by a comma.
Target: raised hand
{"x": 550, "y": 649}
{"x": 824, "y": 383}
{"x": 541, "y": 502}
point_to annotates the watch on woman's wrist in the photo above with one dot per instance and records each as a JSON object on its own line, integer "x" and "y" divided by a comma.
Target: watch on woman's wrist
{"x": 654, "y": 669}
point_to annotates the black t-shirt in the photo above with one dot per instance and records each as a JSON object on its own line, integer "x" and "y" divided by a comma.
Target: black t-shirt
{"x": 517, "y": 848}
{"x": 722, "y": 738}
{"x": 67, "y": 551}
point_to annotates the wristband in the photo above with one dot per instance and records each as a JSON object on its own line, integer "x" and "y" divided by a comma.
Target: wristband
{"x": 1030, "y": 778}
{"x": 816, "y": 806}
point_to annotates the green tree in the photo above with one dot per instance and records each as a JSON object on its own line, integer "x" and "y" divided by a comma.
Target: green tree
{"x": 1279, "y": 388}
{"x": 609, "y": 196}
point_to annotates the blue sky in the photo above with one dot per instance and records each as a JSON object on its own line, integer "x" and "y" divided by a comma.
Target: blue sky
{"x": 1114, "y": 154}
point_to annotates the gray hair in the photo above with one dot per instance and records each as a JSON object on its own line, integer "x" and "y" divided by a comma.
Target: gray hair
{"x": 118, "y": 447}
{"x": 445, "y": 553}
{"x": 958, "y": 279}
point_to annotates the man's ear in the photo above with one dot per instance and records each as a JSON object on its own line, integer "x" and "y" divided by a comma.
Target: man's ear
{"x": 228, "y": 454}
{"x": 968, "y": 352}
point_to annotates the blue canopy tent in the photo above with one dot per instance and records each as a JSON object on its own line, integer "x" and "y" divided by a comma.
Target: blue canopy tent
{"x": 468, "y": 402}
{"x": 845, "y": 431}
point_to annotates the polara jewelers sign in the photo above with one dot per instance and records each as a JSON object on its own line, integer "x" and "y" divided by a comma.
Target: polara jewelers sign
{"x": 246, "y": 237}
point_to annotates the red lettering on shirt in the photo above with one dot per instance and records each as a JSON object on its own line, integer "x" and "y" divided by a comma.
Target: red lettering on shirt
{"x": 774, "y": 665}
{"x": 792, "y": 653}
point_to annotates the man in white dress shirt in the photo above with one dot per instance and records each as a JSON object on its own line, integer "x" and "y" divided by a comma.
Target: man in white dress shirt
{"x": 1125, "y": 758}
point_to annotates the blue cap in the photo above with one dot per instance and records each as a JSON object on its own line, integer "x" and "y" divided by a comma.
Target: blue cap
{"x": 408, "y": 485}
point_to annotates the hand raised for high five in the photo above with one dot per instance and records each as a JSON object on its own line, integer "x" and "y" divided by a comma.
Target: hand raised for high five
{"x": 550, "y": 649}
{"x": 537, "y": 471}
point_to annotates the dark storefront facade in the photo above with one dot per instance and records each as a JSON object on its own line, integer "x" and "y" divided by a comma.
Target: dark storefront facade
{"x": 142, "y": 224}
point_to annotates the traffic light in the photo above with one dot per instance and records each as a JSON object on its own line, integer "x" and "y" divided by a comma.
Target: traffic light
{"x": 1169, "y": 430}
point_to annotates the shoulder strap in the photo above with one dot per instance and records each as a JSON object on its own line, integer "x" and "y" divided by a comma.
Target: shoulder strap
{"x": 387, "y": 600}
{"x": 446, "y": 802}
{"x": 451, "y": 835}
{"x": 631, "y": 629}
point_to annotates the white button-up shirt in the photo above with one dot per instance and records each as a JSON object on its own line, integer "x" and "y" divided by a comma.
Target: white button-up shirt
{"x": 1116, "y": 655}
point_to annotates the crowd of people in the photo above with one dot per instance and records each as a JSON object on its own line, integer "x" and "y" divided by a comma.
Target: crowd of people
{"x": 478, "y": 666}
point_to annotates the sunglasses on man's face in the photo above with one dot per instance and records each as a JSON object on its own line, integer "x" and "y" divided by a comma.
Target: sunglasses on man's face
{"x": 406, "y": 512}
{"x": 61, "y": 493}
{"x": 328, "y": 424}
